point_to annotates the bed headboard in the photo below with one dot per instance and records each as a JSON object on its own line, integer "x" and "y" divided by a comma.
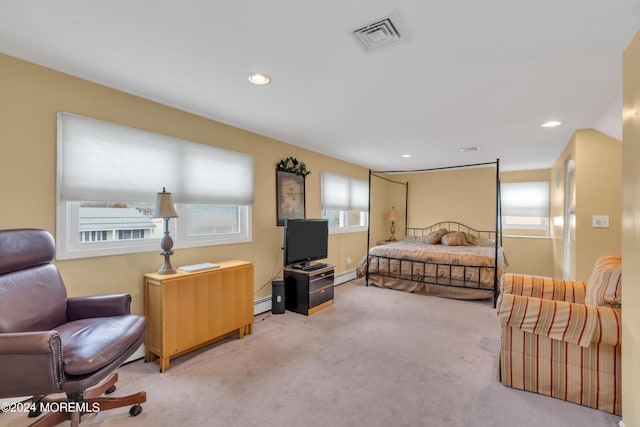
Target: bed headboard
{"x": 451, "y": 226}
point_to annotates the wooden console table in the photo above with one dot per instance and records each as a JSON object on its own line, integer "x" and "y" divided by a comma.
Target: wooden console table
{"x": 187, "y": 311}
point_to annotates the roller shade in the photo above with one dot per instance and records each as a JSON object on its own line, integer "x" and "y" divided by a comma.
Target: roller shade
{"x": 525, "y": 199}
{"x": 343, "y": 193}
{"x": 103, "y": 161}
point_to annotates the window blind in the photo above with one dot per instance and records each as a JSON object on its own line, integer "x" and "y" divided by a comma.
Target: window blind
{"x": 343, "y": 193}
{"x": 525, "y": 199}
{"x": 103, "y": 161}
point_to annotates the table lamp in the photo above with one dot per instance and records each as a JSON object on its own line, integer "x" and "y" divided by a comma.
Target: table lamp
{"x": 164, "y": 209}
{"x": 393, "y": 217}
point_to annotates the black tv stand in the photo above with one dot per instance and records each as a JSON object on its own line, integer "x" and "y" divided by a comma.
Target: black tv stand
{"x": 307, "y": 292}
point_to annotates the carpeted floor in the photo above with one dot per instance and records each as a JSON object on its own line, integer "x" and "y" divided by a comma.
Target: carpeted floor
{"x": 377, "y": 357}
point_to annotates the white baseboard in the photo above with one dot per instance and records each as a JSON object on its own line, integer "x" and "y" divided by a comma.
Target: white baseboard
{"x": 345, "y": 276}
{"x": 262, "y": 305}
{"x": 139, "y": 354}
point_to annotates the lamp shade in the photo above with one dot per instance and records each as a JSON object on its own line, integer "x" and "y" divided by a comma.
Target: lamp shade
{"x": 164, "y": 206}
{"x": 393, "y": 215}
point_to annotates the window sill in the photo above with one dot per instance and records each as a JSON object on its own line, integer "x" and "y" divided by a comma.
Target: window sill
{"x": 347, "y": 231}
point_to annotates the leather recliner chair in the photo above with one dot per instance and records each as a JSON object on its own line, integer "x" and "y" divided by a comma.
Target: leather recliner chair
{"x": 50, "y": 343}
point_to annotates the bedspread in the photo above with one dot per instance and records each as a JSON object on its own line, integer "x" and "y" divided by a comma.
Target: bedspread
{"x": 464, "y": 272}
{"x": 441, "y": 254}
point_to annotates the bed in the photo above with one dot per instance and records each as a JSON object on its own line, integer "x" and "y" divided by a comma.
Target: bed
{"x": 462, "y": 269}
{"x": 447, "y": 259}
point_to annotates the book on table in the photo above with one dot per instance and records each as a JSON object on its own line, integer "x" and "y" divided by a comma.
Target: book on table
{"x": 199, "y": 267}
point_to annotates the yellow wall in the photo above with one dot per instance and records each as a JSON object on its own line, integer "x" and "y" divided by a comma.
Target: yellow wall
{"x": 598, "y": 191}
{"x": 631, "y": 235}
{"x": 31, "y": 96}
{"x": 463, "y": 195}
{"x": 528, "y": 255}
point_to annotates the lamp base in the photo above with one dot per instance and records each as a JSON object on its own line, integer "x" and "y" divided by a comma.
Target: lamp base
{"x": 166, "y": 243}
{"x": 166, "y": 268}
{"x": 392, "y": 229}
{"x": 163, "y": 270}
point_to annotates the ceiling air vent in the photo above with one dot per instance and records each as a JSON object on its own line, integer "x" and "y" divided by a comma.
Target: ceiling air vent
{"x": 383, "y": 32}
{"x": 468, "y": 149}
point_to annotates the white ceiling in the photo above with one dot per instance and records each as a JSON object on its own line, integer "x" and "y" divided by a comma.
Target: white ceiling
{"x": 472, "y": 73}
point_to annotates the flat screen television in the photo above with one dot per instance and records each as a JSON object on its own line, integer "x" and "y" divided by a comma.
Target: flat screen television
{"x": 305, "y": 240}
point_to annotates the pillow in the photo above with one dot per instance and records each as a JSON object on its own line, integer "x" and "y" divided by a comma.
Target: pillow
{"x": 472, "y": 240}
{"x": 434, "y": 237}
{"x": 455, "y": 239}
{"x": 411, "y": 239}
{"x": 604, "y": 286}
{"x": 486, "y": 242}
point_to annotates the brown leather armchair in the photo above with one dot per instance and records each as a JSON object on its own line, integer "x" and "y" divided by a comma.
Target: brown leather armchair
{"x": 50, "y": 343}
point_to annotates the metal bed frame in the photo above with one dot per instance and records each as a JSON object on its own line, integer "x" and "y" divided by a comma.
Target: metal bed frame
{"x": 435, "y": 279}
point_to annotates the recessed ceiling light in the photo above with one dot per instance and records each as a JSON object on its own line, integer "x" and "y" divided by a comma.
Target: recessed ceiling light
{"x": 406, "y": 156}
{"x": 468, "y": 149}
{"x": 551, "y": 124}
{"x": 259, "y": 79}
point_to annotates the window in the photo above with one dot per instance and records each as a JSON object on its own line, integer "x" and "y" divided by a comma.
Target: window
{"x": 108, "y": 176}
{"x": 93, "y": 236}
{"x": 130, "y": 234}
{"x": 213, "y": 224}
{"x": 345, "y": 202}
{"x": 525, "y": 205}
{"x": 204, "y": 220}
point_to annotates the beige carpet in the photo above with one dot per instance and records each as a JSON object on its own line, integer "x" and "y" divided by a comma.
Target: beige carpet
{"x": 377, "y": 357}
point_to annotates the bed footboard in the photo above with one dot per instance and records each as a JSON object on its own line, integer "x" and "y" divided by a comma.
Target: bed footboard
{"x": 462, "y": 281}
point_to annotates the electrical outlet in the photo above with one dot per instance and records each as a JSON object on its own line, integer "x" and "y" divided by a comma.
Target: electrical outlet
{"x": 348, "y": 261}
{"x": 600, "y": 221}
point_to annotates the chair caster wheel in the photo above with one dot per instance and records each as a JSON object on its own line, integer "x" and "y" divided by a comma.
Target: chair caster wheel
{"x": 36, "y": 409}
{"x": 35, "y": 412}
{"x": 110, "y": 390}
{"x": 135, "y": 410}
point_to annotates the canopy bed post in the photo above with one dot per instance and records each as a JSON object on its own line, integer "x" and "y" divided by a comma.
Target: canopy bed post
{"x": 366, "y": 279}
{"x": 496, "y": 286}
{"x": 406, "y": 207}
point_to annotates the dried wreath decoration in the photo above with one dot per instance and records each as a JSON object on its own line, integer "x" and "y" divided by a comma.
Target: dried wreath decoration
{"x": 292, "y": 165}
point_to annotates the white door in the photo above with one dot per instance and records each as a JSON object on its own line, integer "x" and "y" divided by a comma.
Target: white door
{"x": 569, "y": 215}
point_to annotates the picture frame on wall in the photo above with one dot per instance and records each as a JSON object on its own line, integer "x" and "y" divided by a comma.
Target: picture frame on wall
{"x": 290, "y": 198}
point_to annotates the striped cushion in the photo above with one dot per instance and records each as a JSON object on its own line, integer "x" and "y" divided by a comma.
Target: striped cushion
{"x": 560, "y": 320}
{"x": 604, "y": 284}
{"x": 544, "y": 287}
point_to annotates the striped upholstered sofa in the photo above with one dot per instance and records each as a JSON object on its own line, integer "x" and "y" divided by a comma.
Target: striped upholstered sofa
{"x": 562, "y": 338}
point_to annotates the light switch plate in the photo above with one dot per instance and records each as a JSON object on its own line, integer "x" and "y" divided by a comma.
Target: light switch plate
{"x": 601, "y": 221}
